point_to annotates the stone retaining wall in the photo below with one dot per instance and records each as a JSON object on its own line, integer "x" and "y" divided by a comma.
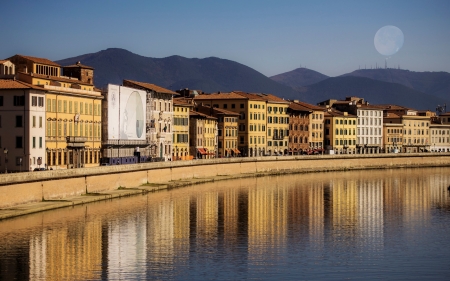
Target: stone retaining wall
{"x": 29, "y": 187}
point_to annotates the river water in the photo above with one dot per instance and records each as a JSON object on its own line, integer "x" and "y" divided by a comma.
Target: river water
{"x": 358, "y": 225}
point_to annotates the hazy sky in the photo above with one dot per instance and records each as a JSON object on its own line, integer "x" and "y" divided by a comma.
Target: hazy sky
{"x": 332, "y": 37}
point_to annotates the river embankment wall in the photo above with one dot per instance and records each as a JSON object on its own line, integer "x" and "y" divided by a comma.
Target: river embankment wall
{"x": 21, "y": 188}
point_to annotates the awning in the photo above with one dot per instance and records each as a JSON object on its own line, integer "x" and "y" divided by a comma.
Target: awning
{"x": 202, "y": 151}
{"x": 236, "y": 151}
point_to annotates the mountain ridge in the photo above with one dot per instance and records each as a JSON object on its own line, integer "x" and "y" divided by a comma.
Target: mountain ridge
{"x": 373, "y": 91}
{"x": 209, "y": 74}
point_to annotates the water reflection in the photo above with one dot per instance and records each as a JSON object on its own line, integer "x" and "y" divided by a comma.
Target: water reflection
{"x": 263, "y": 228}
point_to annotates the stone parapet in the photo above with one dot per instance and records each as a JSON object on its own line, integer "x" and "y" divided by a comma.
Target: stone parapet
{"x": 22, "y": 188}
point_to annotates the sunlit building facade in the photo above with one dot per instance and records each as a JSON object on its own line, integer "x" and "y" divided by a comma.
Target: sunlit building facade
{"x": 72, "y": 110}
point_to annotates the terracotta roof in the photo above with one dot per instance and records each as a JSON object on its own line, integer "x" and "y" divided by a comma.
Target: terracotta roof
{"x": 2, "y": 61}
{"x": 391, "y": 115}
{"x": 298, "y": 107}
{"x": 273, "y": 98}
{"x": 39, "y": 60}
{"x": 220, "y": 96}
{"x": 219, "y": 111}
{"x": 194, "y": 113}
{"x": 152, "y": 87}
{"x": 445, "y": 114}
{"x": 310, "y": 106}
{"x": 225, "y": 112}
{"x": 57, "y": 78}
{"x": 336, "y": 113}
{"x": 250, "y": 96}
{"x": 391, "y": 106}
{"x": 79, "y": 65}
{"x": 182, "y": 102}
{"x": 14, "y": 84}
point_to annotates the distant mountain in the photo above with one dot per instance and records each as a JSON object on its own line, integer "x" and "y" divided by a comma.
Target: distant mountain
{"x": 373, "y": 91}
{"x": 432, "y": 83}
{"x": 175, "y": 72}
{"x": 299, "y": 77}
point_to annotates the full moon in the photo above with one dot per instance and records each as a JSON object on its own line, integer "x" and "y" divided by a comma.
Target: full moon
{"x": 388, "y": 40}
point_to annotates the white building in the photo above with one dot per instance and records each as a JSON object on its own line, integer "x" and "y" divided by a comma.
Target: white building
{"x": 22, "y": 126}
{"x": 440, "y": 133}
{"x": 159, "y": 119}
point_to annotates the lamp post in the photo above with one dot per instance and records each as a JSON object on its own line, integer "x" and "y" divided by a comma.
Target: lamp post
{"x": 6, "y": 159}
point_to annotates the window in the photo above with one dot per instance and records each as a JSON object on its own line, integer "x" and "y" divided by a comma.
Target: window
{"x": 40, "y": 142}
{"x": 33, "y": 101}
{"x": 225, "y": 106}
{"x": 1, "y": 100}
{"x": 34, "y": 142}
{"x": 19, "y": 100}
{"x": 34, "y": 122}
{"x": 19, "y": 121}
{"x": 59, "y": 106}
{"x": 241, "y": 105}
{"x": 40, "y": 101}
{"x": 19, "y": 142}
{"x": 233, "y": 105}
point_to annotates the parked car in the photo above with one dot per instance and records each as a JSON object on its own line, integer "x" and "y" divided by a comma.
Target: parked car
{"x": 39, "y": 169}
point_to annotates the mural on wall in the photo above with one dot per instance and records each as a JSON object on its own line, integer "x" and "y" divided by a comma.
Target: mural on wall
{"x": 126, "y": 113}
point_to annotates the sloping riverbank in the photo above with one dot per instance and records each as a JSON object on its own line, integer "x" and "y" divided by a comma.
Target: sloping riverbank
{"x": 25, "y": 193}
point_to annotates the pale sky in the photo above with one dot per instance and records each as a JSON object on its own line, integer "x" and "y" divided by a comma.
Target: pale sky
{"x": 272, "y": 37}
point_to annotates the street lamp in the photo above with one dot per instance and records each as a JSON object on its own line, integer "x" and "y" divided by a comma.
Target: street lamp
{"x": 6, "y": 159}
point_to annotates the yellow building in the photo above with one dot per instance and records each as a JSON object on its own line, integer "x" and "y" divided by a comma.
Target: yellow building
{"x": 180, "y": 142}
{"x": 440, "y": 133}
{"x": 277, "y": 125}
{"x": 416, "y": 128}
{"x": 73, "y": 110}
{"x": 316, "y": 126}
{"x": 202, "y": 132}
{"x": 210, "y": 136}
{"x": 252, "y": 118}
{"x": 340, "y": 132}
{"x": 392, "y": 135}
{"x": 227, "y": 129}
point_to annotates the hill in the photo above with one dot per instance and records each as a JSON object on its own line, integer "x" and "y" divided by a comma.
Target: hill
{"x": 176, "y": 72}
{"x": 373, "y": 91}
{"x": 432, "y": 83}
{"x": 299, "y": 77}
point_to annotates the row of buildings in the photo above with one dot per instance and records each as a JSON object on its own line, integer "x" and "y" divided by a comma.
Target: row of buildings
{"x": 53, "y": 117}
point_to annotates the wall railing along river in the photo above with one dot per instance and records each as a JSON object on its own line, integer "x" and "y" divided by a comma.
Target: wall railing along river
{"x": 21, "y": 188}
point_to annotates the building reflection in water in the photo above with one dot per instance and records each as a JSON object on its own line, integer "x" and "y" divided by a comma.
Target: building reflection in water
{"x": 240, "y": 224}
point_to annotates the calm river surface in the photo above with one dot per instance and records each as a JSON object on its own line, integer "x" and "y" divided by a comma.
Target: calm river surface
{"x": 391, "y": 224}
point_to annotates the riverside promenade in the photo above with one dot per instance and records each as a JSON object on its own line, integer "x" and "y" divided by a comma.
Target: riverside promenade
{"x": 26, "y": 193}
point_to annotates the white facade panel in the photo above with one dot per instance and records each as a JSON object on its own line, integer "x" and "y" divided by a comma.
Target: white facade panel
{"x": 126, "y": 113}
